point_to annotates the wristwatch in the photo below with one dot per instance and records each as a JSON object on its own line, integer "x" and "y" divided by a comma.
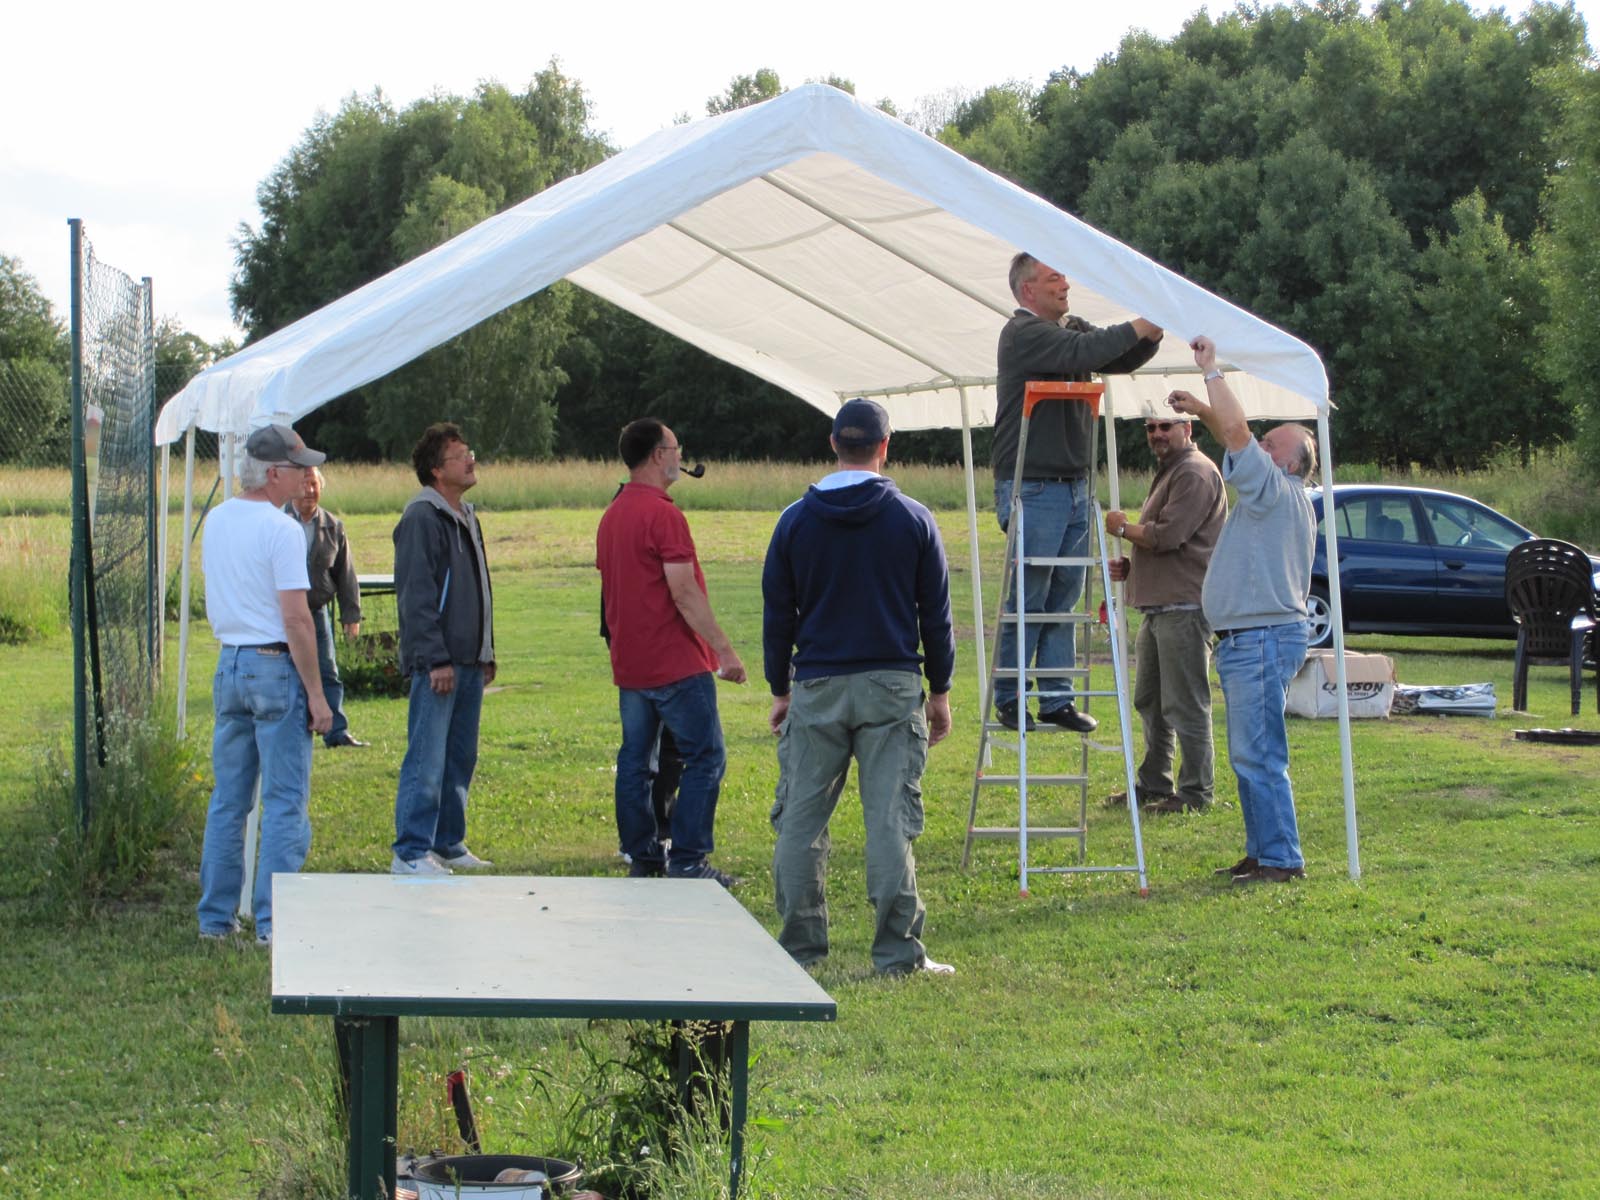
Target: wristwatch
{"x": 1214, "y": 373}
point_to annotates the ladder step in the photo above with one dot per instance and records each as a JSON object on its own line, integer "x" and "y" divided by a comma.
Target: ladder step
{"x": 1044, "y": 618}
{"x": 1034, "y": 831}
{"x": 1046, "y": 729}
{"x": 1047, "y": 672}
{"x": 1082, "y": 560}
{"x": 1012, "y": 780}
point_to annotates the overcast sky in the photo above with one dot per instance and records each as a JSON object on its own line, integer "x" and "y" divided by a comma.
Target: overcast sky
{"x": 155, "y": 124}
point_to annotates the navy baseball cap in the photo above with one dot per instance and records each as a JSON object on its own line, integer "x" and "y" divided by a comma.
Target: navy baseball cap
{"x": 860, "y": 422}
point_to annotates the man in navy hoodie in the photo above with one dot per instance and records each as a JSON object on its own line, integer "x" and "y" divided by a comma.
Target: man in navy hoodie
{"x": 855, "y": 581}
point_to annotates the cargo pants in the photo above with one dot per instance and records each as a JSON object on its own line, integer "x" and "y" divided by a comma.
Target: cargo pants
{"x": 875, "y": 717}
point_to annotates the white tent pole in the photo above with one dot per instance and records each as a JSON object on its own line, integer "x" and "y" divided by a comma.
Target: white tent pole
{"x": 1346, "y": 761}
{"x": 972, "y": 543}
{"x": 1114, "y": 482}
{"x": 183, "y": 585}
{"x": 162, "y": 528}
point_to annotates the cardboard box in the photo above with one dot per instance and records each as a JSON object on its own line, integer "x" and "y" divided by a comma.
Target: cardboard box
{"x": 1369, "y": 684}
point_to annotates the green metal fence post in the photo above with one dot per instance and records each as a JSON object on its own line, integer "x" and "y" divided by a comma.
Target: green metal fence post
{"x": 80, "y": 529}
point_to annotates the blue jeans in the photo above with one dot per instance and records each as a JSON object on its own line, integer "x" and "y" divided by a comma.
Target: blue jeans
{"x": 430, "y": 808}
{"x": 332, "y": 685}
{"x": 1055, "y": 524}
{"x": 688, "y": 708}
{"x": 261, "y": 729}
{"x": 1255, "y": 666}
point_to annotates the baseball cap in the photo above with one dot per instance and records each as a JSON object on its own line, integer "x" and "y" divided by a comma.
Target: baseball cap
{"x": 860, "y": 422}
{"x": 279, "y": 443}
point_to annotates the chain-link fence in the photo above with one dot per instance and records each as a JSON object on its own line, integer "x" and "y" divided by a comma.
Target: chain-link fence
{"x": 35, "y": 414}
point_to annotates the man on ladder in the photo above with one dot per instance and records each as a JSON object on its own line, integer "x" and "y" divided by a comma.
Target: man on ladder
{"x": 1041, "y": 342}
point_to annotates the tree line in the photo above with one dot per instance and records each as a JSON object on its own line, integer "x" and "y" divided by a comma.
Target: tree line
{"x": 1415, "y": 192}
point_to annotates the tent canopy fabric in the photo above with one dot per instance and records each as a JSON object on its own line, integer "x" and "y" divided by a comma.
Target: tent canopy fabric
{"x": 817, "y": 242}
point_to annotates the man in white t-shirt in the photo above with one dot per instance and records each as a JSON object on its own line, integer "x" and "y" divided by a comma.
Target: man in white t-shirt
{"x": 267, "y": 694}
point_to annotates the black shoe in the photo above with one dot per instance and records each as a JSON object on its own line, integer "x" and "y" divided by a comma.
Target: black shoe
{"x": 638, "y": 869}
{"x": 1006, "y": 714}
{"x": 1266, "y": 874}
{"x": 1069, "y": 718}
{"x": 1243, "y": 867}
{"x": 346, "y": 739}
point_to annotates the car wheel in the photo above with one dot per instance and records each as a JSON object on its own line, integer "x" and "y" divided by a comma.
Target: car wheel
{"x": 1320, "y": 614}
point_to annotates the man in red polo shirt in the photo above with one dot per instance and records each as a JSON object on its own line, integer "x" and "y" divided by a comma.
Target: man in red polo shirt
{"x": 667, "y": 651}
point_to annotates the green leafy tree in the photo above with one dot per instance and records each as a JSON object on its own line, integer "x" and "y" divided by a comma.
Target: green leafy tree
{"x": 28, "y": 326}
{"x": 35, "y": 417}
{"x": 1570, "y": 256}
{"x": 745, "y": 90}
{"x": 369, "y": 188}
{"x": 1309, "y": 162}
{"x": 181, "y": 355}
{"x": 997, "y": 129}
{"x": 1480, "y": 305}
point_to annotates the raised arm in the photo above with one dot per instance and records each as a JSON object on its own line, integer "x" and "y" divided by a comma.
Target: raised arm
{"x": 1224, "y": 415}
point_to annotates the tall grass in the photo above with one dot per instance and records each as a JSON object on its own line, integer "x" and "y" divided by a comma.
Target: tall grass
{"x": 34, "y": 559}
{"x": 146, "y": 804}
{"x": 355, "y": 489}
{"x": 1552, "y": 496}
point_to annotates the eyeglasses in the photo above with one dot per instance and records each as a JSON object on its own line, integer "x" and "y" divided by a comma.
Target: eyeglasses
{"x": 1163, "y": 426}
{"x": 678, "y": 446}
{"x": 464, "y": 456}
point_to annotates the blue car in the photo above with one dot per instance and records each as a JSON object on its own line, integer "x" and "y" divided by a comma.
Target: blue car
{"x": 1413, "y": 561}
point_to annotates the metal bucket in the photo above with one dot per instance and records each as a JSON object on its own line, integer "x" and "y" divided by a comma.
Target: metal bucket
{"x": 464, "y": 1175}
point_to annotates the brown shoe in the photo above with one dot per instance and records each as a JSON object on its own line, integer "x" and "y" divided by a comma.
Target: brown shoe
{"x": 1120, "y": 799}
{"x": 1243, "y": 866}
{"x": 1265, "y": 874}
{"x": 1168, "y": 805}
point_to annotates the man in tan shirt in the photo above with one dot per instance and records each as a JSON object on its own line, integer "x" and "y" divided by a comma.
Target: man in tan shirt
{"x": 1172, "y": 543}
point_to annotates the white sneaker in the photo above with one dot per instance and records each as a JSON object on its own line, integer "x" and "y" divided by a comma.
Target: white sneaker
{"x": 936, "y": 968}
{"x": 427, "y": 865}
{"x": 462, "y": 860}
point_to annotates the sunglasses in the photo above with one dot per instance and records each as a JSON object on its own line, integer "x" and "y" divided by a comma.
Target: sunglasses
{"x": 1162, "y": 426}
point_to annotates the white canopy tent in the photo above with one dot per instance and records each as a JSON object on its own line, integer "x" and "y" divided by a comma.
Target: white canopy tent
{"x": 814, "y": 241}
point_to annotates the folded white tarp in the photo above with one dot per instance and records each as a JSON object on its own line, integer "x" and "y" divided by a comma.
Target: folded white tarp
{"x": 812, "y": 240}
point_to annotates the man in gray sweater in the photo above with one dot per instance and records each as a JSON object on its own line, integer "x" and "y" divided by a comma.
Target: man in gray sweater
{"x": 1255, "y": 600}
{"x": 1041, "y": 342}
{"x": 1172, "y": 543}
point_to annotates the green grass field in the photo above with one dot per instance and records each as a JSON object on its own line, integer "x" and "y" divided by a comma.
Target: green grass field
{"x": 1429, "y": 1029}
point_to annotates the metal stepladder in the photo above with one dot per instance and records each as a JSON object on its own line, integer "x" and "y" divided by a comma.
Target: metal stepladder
{"x": 1085, "y": 618}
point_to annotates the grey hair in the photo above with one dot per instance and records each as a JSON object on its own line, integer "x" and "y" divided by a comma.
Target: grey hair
{"x": 253, "y": 473}
{"x": 1306, "y": 465}
{"x": 1023, "y": 266}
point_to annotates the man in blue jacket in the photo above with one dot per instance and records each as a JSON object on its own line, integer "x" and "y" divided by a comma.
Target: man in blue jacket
{"x": 855, "y": 580}
{"x": 441, "y": 583}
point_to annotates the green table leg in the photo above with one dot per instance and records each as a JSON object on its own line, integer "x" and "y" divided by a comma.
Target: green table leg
{"x": 739, "y": 1077}
{"x": 369, "y": 1065}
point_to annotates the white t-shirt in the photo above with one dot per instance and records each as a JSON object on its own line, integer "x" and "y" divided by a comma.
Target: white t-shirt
{"x": 251, "y": 550}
